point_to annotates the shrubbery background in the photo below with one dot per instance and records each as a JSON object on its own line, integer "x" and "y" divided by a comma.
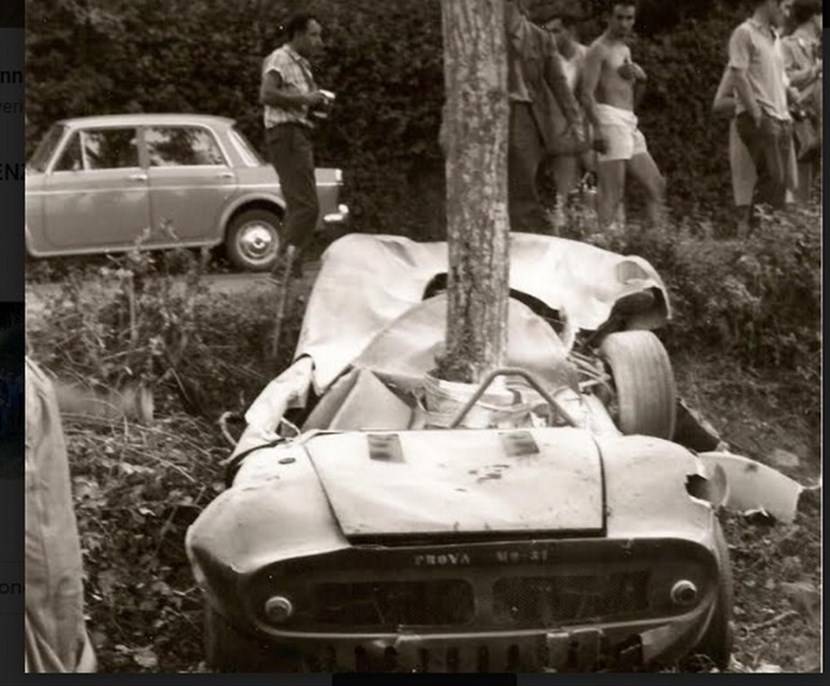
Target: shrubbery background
{"x": 758, "y": 301}
{"x": 384, "y": 60}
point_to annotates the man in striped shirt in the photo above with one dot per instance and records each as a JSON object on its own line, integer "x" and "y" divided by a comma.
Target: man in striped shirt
{"x": 290, "y": 98}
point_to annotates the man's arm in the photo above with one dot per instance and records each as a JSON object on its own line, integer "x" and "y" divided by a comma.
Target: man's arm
{"x": 558, "y": 83}
{"x": 798, "y": 77}
{"x": 591, "y": 71}
{"x": 273, "y": 93}
{"x": 739, "y": 56}
{"x": 724, "y": 101}
{"x": 744, "y": 93}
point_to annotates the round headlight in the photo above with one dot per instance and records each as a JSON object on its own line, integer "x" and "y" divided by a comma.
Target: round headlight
{"x": 684, "y": 592}
{"x": 278, "y": 609}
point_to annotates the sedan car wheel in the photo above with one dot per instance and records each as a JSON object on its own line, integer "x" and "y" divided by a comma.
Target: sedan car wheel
{"x": 253, "y": 240}
{"x": 643, "y": 377}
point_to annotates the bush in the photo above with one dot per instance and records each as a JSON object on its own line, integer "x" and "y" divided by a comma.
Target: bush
{"x": 384, "y": 59}
{"x": 754, "y": 301}
{"x": 150, "y": 318}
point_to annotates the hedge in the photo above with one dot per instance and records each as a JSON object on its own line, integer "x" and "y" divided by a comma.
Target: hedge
{"x": 384, "y": 60}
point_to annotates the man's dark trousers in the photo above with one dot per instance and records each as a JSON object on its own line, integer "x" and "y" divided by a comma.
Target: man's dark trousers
{"x": 524, "y": 155}
{"x": 291, "y": 152}
{"x": 769, "y": 145}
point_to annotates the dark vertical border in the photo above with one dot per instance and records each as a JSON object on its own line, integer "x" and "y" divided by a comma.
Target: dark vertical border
{"x": 12, "y": 13}
{"x": 11, "y": 333}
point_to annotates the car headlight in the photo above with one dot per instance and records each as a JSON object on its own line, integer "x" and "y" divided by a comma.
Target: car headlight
{"x": 278, "y": 609}
{"x": 684, "y": 593}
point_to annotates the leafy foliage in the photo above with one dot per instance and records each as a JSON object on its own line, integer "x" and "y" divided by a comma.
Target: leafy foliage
{"x": 384, "y": 60}
{"x": 149, "y": 317}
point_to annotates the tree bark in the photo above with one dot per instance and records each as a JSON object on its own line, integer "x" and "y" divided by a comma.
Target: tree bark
{"x": 474, "y": 135}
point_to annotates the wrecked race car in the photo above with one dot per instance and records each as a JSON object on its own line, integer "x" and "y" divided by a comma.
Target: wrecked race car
{"x": 379, "y": 519}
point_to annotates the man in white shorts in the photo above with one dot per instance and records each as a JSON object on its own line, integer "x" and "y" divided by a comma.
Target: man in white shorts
{"x": 611, "y": 87}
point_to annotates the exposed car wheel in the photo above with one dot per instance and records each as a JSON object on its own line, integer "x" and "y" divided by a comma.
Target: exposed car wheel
{"x": 253, "y": 240}
{"x": 229, "y": 650}
{"x": 716, "y": 643}
{"x": 646, "y": 394}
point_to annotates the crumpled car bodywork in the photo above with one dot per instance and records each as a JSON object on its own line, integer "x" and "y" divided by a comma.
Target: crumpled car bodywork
{"x": 372, "y": 541}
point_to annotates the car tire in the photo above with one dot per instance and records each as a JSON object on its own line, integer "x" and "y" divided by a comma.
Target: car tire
{"x": 716, "y": 643}
{"x": 253, "y": 240}
{"x": 645, "y": 390}
{"x": 229, "y": 650}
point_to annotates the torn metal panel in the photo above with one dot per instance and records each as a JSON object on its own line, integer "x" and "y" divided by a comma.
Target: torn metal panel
{"x": 366, "y": 282}
{"x": 753, "y": 486}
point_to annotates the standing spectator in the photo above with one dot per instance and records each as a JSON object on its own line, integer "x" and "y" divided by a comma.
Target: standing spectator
{"x": 536, "y": 84}
{"x": 612, "y": 86}
{"x": 55, "y": 636}
{"x": 290, "y": 97}
{"x": 763, "y": 118}
{"x": 569, "y": 167}
{"x": 744, "y": 174}
{"x": 802, "y": 62}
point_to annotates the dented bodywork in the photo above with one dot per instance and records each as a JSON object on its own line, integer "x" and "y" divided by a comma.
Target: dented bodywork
{"x": 373, "y": 540}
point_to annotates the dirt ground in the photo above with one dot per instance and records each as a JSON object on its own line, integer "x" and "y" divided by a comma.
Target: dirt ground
{"x": 777, "y": 567}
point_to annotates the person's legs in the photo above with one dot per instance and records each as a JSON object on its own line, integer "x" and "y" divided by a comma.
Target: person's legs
{"x": 770, "y": 154}
{"x": 524, "y": 156}
{"x": 643, "y": 168}
{"x": 611, "y": 167}
{"x": 292, "y": 155}
{"x": 610, "y": 187}
{"x": 806, "y": 177}
{"x": 565, "y": 172}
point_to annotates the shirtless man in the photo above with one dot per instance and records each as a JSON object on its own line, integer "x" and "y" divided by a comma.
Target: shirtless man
{"x": 568, "y": 168}
{"x": 612, "y": 86}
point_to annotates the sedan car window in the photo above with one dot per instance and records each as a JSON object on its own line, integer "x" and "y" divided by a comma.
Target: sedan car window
{"x": 250, "y": 157}
{"x": 40, "y": 159}
{"x": 181, "y": 146}
{"x": 110, "y": 148}
{"x": 71, "y": 158}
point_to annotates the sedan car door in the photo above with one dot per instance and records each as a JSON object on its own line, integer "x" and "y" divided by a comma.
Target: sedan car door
{"x": 96, "y": 195}
{"x": 191, "y": 182}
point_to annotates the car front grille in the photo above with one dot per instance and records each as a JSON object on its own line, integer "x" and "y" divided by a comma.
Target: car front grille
{"x": 491, "y": 600}
{"x": 393, "y": 603}
{"x": 547, "y": 600}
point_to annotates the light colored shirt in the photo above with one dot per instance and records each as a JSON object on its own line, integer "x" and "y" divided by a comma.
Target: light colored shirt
{"x": 755, "y": 48}
{"x": 295, "y": 72}
{"x": 518, "y": 27}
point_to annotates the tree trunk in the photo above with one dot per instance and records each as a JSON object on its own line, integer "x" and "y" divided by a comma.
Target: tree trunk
{"x": 474, "y": 134}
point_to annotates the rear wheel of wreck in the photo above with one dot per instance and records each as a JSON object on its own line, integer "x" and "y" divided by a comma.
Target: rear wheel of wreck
{"x": 645, "y": 391}
{"x": 716, "y": 643}
{"x": 229, "y": 650}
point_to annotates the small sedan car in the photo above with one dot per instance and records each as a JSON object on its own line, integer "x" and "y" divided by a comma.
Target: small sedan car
{"x": 111, "y": 183}
{"x": 547, "y": 520}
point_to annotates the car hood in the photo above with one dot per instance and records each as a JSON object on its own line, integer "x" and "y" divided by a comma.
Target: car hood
{"x": 412, "y": 483}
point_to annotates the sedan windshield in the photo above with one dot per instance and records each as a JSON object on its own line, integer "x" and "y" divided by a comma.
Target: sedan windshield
{"x": 46, "y": 148}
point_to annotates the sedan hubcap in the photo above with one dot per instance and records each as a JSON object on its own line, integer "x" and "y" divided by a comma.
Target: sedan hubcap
{"x": 258, "y": 241}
